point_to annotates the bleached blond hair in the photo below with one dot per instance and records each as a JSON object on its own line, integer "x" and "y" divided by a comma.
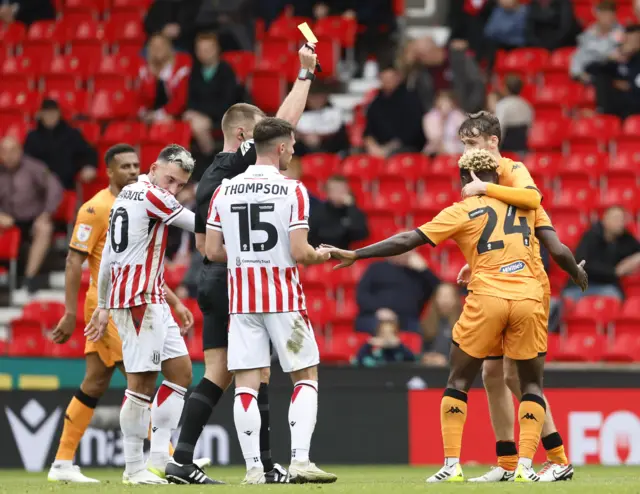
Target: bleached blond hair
{"x": 478, "y": 160}
{"x": 174, "y": 153}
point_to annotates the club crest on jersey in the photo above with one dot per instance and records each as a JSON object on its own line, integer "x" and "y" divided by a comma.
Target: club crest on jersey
{"x": 155, "y": 357}
{"x": 84, "y": 232}
{"x": 514, "y": 267}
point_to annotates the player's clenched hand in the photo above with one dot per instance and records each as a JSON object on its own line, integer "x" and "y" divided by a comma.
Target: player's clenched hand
{"x": 186, "y": 318}
{"x": 582, "y": 280}
{"x": 308, "y": 59}
{"x": 97, "y": 325}
{"x": 464, "y": 276}
{"x": 64, "y": 329}
{"x": 474, "y": 188}
{"x": 347, "y": 257}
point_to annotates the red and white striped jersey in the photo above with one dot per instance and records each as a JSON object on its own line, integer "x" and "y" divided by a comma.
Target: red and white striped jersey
{"x": 255, "y": 211}
{"x": 137, "y": 239}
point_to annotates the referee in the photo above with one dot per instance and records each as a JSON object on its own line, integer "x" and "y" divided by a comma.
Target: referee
{"x": 237, "y": 155}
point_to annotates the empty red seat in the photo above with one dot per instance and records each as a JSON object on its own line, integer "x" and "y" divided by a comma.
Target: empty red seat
{"x": 337, "y": 27}
{"x": 127, "y": 131}
{"x": 39, "y": 52}
{"x": 48, "y": 313}
{"x": 590, "y": 164}
{"x": 631, "y": 285}
{"x": 625, "y": 160}
{"x": 364, "y": 166}
{"x": 45, "y": 30}
{"x": 412, "y": 341}
{"x": 575, "y": 189}
{"x": 593, "y": 309}
{"x": 628, "y": 319}
{"x": 18, "y": 101}
{"x": 72, "y": 66}
{"x": 89, "y": 130}
{"x": 173, "y": 131}
{"x": 320, "y": 308}
{"x": 12, "y": 33}
{"x": 149, "y": 154}
{"x": 557, "y": 67}
{"x": 267, "y": 89}
{"x": 20, "y": 65}
{"x": 242, "y": 62}
{"x": 547, "y": 135}
{"x": 625, "y": 347}
{"x": 381, "y": 226}
{"x": 320, "y": 165}
{"x": 434, "y": 198}
{"x": 72, "y": 348}
{"x": 9, "y": 250}
{"x": 61, "y": 82}
{"x": 597, "y": 130}
{"x": 16, "y": 82}
{"x": 125, "y": 27}
{"x": 582, "y": 348}
{"x": 66, "y": 211}
{"x": 92, "y": 188}
{"x": 110, "y": 82}
{"x": 275, "y": 47}
{"x": 543, "y": 163}
{"x": 526, "y": 61}
{"x": 569, "y": 233}
{"x": 121, "y": 65}
{"x": 89, "y": 52}
{"x": 27, "y": 339}
{"x": 445, "y": 164}
{"x": 344, "y": 347}
{"x": 107, "y": 105}
{"x": 410, "y": 166}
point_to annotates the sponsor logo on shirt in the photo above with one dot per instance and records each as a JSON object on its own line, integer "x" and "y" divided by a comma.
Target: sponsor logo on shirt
{"x": 514, "y": 267}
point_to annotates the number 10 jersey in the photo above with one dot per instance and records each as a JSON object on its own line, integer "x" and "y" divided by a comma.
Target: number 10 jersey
{"x": 137, "y": 238}
{"x": 255, "y": 211}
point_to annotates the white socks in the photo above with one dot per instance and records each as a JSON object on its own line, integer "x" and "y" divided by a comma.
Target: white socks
{"x": 303, "y": 412}
{"x": 165, "y": 416}
{"x": 246, "y": 416}
{"x": 449, "y": 462}
{"x": 525, "y": 462}
{"x": 134, "y": 423}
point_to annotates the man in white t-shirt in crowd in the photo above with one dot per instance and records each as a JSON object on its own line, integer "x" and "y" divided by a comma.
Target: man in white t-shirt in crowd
{"x": 263, "y": 218}
{"x": 130, "y": 287}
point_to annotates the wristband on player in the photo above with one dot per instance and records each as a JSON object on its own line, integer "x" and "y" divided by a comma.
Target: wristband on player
{"x": 306, "y": 75}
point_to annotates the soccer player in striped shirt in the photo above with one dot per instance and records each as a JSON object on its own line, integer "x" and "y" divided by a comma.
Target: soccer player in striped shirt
{"x": 263, "y": 218}
{"x": 130, "y": 286}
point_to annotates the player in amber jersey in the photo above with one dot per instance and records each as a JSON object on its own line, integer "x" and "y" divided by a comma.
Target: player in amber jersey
{"x": 102, "y": 357}
{"x": 516, "y": 186}
{"x": 496, "y": 240}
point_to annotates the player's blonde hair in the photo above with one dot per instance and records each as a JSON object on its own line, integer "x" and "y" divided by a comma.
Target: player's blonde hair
{"x": 478, "y": 160}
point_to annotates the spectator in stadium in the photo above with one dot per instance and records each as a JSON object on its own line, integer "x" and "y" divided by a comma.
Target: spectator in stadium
{"x": 26, "y": 11}
{"x": 61, "y": 147}
{"x": 617, "y": 83}
{"x": 515, "y": 115}
{"x": 164, "y": 81}
{"x": 337, "y": 221}
{"x": 232, "y": 20}
{"x": 29, "y": 195}
{"x": 430, "y": 68}
{"x": 402, "y": 284}
{"x": 212, "y": 90}
{"x": 385, "y": 347}
{"x": 174, "y": 19}
{"x": 610, "y": 252}
{"x": 441, "y": 126}
{"x": 467, "y": 20}
{"x": 506, "y": 24}
{"x": 551, "y": 24}
{"x": 599, "y": 43}
{"x": 394, "y": 118}
{"x": 321, "y": 128}
{"x": 444, "y": 310}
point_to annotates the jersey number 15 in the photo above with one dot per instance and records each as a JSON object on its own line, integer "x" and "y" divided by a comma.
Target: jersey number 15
{"x": 249, "y": 220}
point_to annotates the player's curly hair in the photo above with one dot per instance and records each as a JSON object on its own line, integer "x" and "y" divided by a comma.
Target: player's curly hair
{"x": 478, "y": 160}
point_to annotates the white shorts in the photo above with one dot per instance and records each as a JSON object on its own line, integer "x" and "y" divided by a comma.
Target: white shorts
{"x": 150, "y": 335}
{"x": 290, "y": 332}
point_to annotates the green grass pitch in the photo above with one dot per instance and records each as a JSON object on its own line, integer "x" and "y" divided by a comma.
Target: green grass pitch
{"x": 351, "y": 479}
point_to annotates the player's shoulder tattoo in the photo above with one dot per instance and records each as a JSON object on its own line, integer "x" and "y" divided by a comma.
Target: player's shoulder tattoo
{"x": 515, "y": 167}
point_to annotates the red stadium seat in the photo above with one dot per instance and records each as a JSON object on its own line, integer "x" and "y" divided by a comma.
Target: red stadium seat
{"x": 72, "y": 102}
{"x": 412, "y": 341}
{"x": 592, "y": 313}
{"x": 575, "y": 189}
{"x": 13, "y": 126}
{"x": 624, "y": 349}
{"x": 558, "y": 95}
{"x": 72, "y": 66}
{"x": 599, "y": 129}
{"x": 267, "y": 89}
{"x": 89, "y": 52}
{"x": 364, "y": 166}
{"x": 631, "y": 126}
{"x": 125, "y": 27}
{"x": 445, "y": 164}
{"x": 410, "y": 166}
{"x": 590, "y": 164}
{"x": 328, "y": 51}
{"x": 557, "y": 67}
{"x": 88, "y": 190}
{"x": 46, "y": 30}
{"x": 392, "y": 197}
{"x": 131, "y": 4}
{"x": 149, "y": 154}
{"x": 66, "y": 211}
{"x": 173, "y": 131}
{"x": 83, "y": 29}
{"x": 544, "y": 163}
{"x": 582, "y": 348}
{"x": 625, "y": 160}
{"x": 47, "y": 313}
{"x": 107, "y": 105}
{"x": 622, "y": 195}
{"x": 569, "y": 233}
{"x": 547, "y": 135}
{"x": 128, "y": 48}
{"x": 631, "y": 285}
{"x": 18, "y": 101}
{"x": 12, "y": 34}
{"x": 337, "y": 27}
{"x": 95, "y": 7}
{"x": 286, "y": 27}
{"x": 89, "y": 130}
{"x": 553, "y": 343}
{"x": 526, "y": 61}
{"x": 434, "y": 199}
{"x": 128, "y": 131}
{"x": 16, "y": 82}
{"x": 320, "y": 308}
{"x": 320, "y": 165}
{"x": 242, "y": 62}
{"x": 584, "y": 13}
{"x": 61, "y": 83}
{"x": 568, "y": 214}
{"x": 39, "y": 52}
{"x": 275, "y": 47}
{"x": 344, "y": 347}
{"x": 20, "y": 65}
{"x": 121, "y": 65}
{"x": 27, "y": 339}
{"x": 382, "y": 225}
{"x": 110, "y": 82}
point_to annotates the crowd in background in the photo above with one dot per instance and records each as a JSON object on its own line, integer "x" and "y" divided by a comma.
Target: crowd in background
{"x": 425, "y": 90}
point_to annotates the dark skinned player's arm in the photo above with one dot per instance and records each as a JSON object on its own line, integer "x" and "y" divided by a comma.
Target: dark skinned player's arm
{"x": 523, "y": 198}
{"x": 393, "y": 246}
{"x": 561, "y": 253}
{"x": 72, "y": 279}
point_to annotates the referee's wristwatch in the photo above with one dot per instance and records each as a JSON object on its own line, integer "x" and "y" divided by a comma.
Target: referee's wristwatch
{"x": 306, "y": 75}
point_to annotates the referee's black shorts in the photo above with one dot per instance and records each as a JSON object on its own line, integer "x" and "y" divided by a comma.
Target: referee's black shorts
{"x": 213, "y": 300}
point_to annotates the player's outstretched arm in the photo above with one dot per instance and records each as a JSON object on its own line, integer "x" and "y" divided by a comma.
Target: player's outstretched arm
{"x": 295, "y": 102}
{"x": 520, "y": 197}
{"x": 72, "y": 278}
{"x": 563, "y": 256}
{"x": 302, "y": 252}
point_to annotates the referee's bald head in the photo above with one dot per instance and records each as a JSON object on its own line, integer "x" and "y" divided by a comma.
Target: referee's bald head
{"x": 239, "y": 120}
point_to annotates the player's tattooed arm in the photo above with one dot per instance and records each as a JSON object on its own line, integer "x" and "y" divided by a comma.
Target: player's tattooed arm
{"x": 563, "y": 256}
{"x": 393, "y": 246}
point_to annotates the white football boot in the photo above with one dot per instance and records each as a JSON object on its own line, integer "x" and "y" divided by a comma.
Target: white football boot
{"x": 496, "y": 474}
{"x": 68, "y": 472}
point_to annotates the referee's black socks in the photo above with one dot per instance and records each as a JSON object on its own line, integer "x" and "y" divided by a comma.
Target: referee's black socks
{"x": 197, "y": 411}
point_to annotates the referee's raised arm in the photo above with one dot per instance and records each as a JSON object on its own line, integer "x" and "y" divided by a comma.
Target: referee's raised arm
{"x": 295, "y": 102}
